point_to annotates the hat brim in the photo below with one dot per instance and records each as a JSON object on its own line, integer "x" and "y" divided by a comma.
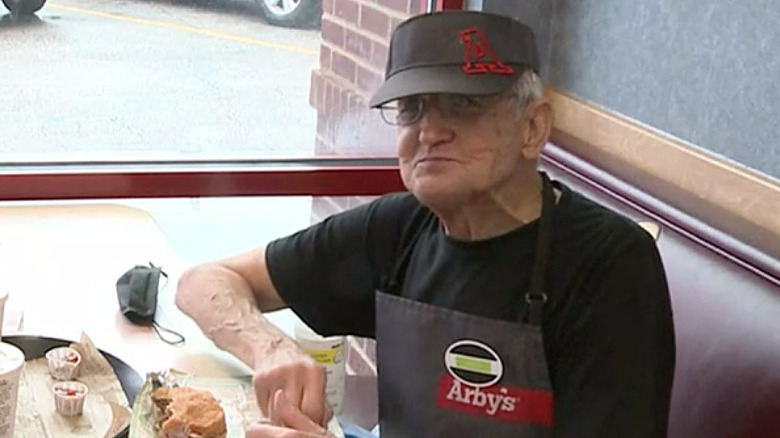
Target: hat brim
{"x": 440, "y": 79}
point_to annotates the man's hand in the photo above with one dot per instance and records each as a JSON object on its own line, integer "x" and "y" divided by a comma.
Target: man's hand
{"x": 289, "y": 422}
{"x": 298, "y": 377}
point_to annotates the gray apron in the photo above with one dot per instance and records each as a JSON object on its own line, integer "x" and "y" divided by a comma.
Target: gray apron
{"x": 444, "y": 373}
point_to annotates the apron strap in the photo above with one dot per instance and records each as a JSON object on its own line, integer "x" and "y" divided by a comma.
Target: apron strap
{"x": 536, "y": 297}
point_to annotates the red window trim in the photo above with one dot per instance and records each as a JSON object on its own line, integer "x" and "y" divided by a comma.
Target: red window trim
{"x": 442, "y": 5}
{"x": 308, "y": 181}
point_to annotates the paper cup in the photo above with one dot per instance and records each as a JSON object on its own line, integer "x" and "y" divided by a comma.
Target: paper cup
{"x": 64, "y": 363}
{"x": 69, "y": 398}
{"x": 3, "y": 299}
{"x": 11, "y": 363}
{"x": 330, "y": 352}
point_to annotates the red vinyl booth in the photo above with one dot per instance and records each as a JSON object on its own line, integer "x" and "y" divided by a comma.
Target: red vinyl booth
{"x": 726, "y": 313}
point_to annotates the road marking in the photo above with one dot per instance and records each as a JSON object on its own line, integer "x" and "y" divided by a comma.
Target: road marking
{"x": 185, "y": 28}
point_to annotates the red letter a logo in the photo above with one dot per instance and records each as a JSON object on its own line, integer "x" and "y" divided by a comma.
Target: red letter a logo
{"x": 479, "y": 56}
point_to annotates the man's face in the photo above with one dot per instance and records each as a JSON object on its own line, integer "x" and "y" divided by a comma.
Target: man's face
{"x": 460, "y": 148}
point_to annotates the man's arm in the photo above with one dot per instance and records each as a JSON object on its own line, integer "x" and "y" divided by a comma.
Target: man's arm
{"x": 324, "y": 272}
{"x": 615, "y": 361}
{"x": 226, "y": 299}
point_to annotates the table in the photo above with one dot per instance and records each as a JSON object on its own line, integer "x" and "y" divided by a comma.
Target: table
{"x": 60, "y": 263}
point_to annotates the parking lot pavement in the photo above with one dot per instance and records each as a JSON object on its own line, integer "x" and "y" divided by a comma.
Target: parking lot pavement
{"x": 100, "y": 79}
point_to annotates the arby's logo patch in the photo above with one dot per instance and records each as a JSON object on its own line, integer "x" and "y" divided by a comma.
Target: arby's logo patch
{"x": 473, "y": 363}
{"x": 471, "y": 385}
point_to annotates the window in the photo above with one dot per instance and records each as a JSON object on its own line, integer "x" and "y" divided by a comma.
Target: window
{"x": 194, "y": 80}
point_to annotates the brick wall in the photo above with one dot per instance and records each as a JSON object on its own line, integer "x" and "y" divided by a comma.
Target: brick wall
{"x": 353, "y": 52}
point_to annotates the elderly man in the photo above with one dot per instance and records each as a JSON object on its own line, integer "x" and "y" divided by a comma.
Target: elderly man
{"x": 503, "y": 304}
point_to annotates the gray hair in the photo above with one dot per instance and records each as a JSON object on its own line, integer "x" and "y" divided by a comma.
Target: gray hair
{"x": 527, "y": 89}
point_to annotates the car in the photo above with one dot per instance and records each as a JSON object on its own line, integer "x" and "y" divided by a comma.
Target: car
{"x": 21, "y": 8}
{"x": 291, "y": 13}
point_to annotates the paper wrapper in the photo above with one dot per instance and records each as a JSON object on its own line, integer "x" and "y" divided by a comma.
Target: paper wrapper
{"x": 236, "y": 396}
{"x": 106, "y": 411}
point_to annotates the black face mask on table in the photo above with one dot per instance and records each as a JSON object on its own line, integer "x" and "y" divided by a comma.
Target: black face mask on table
{"x": 137, "y": 291}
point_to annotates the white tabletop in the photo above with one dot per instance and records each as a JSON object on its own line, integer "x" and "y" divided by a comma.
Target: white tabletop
{"x": 60, "y": 265}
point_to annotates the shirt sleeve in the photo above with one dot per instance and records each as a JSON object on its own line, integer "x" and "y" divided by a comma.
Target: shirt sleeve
{"x": 327, "y": 273}
{"x": 614, "y": 373}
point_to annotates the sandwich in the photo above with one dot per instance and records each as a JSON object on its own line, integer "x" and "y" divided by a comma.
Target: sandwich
{"x": 182, "y": 412}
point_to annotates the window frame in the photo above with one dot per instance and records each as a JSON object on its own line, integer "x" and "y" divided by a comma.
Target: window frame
{"x": 344, "y": 176}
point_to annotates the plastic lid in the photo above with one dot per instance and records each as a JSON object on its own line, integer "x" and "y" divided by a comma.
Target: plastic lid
{"x": 11, "y": 357}
{"x": 303, "y": 331}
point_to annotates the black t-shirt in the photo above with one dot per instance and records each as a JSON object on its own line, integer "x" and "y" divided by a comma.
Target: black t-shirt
{"x": 608, "y": 330}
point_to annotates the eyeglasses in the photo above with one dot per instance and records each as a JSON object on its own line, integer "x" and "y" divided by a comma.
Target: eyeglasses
{"x": 409, "y": 110}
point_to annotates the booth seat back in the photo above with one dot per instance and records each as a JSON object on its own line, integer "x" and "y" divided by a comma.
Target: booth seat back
{"x": 727, "y": 325}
